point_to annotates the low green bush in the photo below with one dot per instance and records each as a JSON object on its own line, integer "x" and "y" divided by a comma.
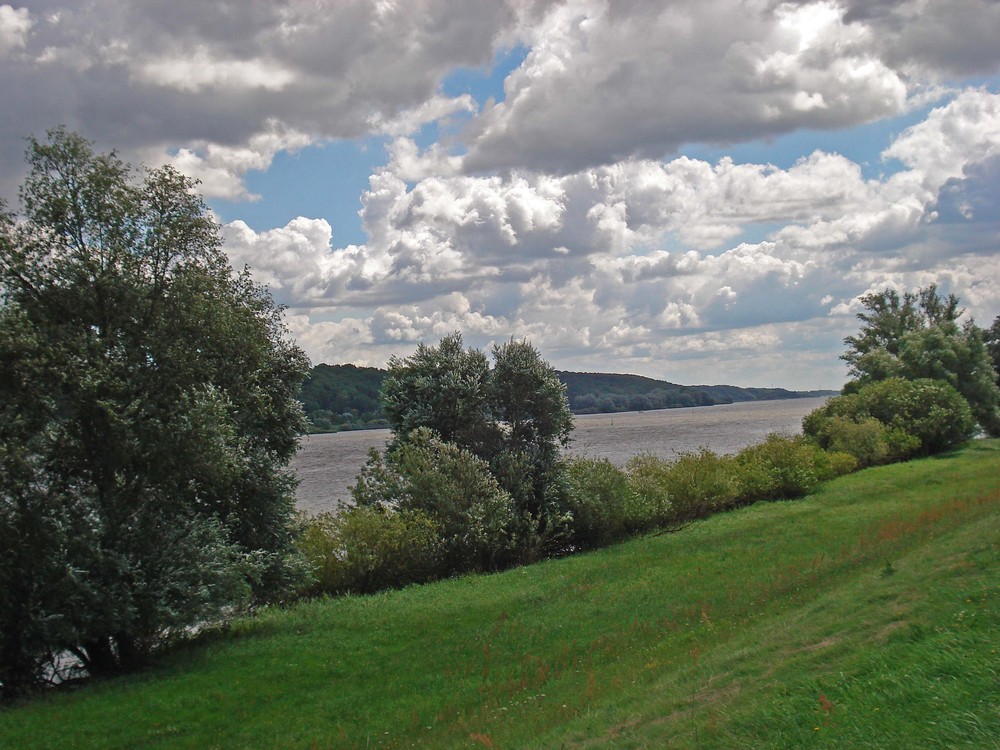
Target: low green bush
{"x": 833, "y": 464}
{"x": 868, "y": 440}
{"x": 362, "y": 550}
{"x": 921, "y": 417}
{"x": 695, "y": 484}
{"x": 539, "y": 487}
{"x": 478, "y": 521}
{"x": 930, "y": 410}
{"x": 599, "y": 502}
{"x": 648, "y": 485}
{"x": 781, "y": 467}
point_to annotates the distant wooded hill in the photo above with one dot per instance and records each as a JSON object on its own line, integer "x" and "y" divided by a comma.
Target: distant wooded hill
{"x": 345, "y": 397}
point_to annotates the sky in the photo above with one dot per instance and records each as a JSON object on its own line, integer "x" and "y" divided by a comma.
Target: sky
{"x": 698, "y": 190}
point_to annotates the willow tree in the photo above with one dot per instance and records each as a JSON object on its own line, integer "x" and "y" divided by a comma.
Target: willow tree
{"x": 147, "y": 416}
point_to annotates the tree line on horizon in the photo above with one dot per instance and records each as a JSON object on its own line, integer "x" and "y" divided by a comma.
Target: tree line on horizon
{"x": 346, "y": 396}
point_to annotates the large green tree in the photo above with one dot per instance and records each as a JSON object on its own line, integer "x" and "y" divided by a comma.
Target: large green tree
{"x": 991, "y": 336}
{"x": 147, "y": 416}
{"x": 917, "y": 335}
{"x": 513, "y": 415}
{"x": 445, "y": 388}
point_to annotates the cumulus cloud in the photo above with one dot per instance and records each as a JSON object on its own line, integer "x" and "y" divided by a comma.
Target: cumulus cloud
{"x": 601, "y": 81}
{"x": 608, "y": 80}
{"x": 937, "y": 39}
{"x": 143, "y": 76}
{"x": 636, "y": 262}
{"x": 220, "y": 169}
{"x": 15, "y": 23}
{"x": 565, "y": 211}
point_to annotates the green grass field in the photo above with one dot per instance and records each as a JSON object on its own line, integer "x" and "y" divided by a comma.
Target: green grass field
{"x": 866, "y": 615}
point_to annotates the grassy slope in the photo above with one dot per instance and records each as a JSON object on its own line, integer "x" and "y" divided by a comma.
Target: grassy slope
{"x": 867, "y": 615}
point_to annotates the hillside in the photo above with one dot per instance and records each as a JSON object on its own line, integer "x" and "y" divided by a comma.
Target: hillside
{"x": 864, "y": 615}
{"x": 343, "y": 397}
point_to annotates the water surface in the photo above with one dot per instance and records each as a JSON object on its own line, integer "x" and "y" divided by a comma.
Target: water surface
{"x": 327, "y": 465}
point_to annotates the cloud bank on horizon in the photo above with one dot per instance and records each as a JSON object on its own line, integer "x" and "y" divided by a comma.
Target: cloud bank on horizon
{"x": 697, "y": 191}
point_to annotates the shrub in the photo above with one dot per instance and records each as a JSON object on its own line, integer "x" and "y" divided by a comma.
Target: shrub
{"x": 780, "y": 467}
{"x": 478, "y": 520}
{"x": 920, "y": 417}
{"x": 930, "y": 410}
{"x": 695, "y": 485}
{"x": 539, "y": 487}
{"x": 864, "y": 439}
{"x": 599, "y": 502}
{"x": 867, "y": 439}
{"x": 362, "y": 550}
{"x": 833, "y": 464}
{"x": 648, "y": 480}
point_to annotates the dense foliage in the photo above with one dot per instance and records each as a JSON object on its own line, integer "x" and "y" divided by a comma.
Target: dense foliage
{"x": 147, "y": 413}
{"x": 476, "y": 519}
{"x": 917, "y": 336}
{"x": 429, "y": 509}
{"x": 914, "y": 417}
{"x": 475, "y": 463}
{"x": 342, "y": 397}
{"x": 991, "y": 337}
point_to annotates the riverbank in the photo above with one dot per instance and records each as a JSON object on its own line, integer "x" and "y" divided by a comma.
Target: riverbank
{"x": 861, "y": 616}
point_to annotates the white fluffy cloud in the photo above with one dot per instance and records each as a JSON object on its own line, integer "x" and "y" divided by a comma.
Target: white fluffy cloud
{"x": 15, "y": 23}
{"x": 635, "y": 263}
{"x": 601, "y": 81}
{"x": 566, "y": 211}
{"x": 607, "y": 80}
{"x": 167, "y": 75}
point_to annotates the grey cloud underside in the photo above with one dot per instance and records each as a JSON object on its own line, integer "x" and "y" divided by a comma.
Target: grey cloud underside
{"x": 104, "y": 68}
{"x": 602, "y": 81}
{"x": 615, "y": 81}
{"x": 956, "y": 38}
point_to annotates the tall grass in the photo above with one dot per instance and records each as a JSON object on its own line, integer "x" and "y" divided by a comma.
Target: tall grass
{"x": 864, "y": 615}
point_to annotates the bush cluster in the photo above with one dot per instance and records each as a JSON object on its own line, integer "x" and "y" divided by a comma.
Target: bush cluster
{"x": 892, "y": 420}
{"x": 428, "y": 509}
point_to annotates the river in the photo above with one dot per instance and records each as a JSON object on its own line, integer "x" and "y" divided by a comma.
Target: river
{"x": 327, "y": 465}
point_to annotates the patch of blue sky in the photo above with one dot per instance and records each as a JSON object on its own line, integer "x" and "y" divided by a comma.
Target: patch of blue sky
{"x": 485, "y": 83}
{"x": 327, "y": 180}
{"x": 862, "y": 144}
{"x": 321, "y": 181}
{"x": 482, "y": 84}
{"x": 752, "y": 234}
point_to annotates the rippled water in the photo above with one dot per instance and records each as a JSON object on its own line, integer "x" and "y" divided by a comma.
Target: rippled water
{"x": 328, "y": 464}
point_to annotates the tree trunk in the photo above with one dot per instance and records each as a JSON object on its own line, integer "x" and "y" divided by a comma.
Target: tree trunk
{"x": 130, "y": 656}
{"x": 101, "y": 660}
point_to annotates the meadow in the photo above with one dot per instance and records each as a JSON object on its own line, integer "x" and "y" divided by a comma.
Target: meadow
{"x": 866, "y": 614}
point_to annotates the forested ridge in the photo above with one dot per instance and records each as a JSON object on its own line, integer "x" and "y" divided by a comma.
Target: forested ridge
{"x": 346, "y": 397}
